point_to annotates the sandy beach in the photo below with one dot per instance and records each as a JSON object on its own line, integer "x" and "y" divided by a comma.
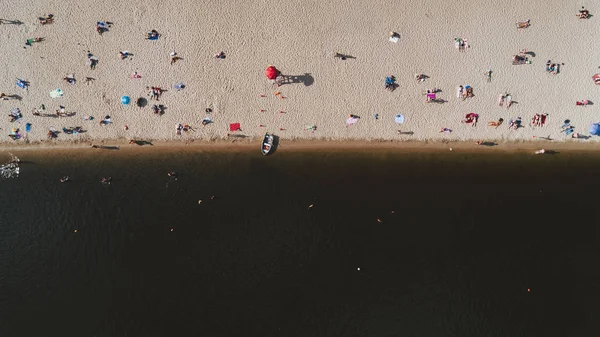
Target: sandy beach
{"x": 300, "y": 38}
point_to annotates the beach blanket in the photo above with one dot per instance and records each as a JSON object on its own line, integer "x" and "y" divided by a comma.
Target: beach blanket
{"x": 21, "y": 84}
{"x": 234, "y": 127}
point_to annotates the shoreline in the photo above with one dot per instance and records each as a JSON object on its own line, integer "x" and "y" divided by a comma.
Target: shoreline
{"x": 287, "y": 145}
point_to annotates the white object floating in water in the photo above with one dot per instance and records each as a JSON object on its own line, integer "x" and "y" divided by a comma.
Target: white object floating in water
{"x": 358, "y": 269}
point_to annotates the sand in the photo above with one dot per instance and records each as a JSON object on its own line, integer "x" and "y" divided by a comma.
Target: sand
{"x": 300, "y": 38}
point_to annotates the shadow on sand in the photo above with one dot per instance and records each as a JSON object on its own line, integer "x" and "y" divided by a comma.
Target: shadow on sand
{"x": 306, "y": 79}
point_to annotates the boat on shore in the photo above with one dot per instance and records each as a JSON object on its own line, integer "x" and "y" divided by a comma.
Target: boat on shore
{"x": 267, "y": 144}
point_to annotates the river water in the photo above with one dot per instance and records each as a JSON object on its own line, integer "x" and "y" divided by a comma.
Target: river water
{"x": 394, "y": 244}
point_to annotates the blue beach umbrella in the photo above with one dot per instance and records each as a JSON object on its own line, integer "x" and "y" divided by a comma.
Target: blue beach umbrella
{"x": 125, "y": 100}
{"x": 595, "y": 129}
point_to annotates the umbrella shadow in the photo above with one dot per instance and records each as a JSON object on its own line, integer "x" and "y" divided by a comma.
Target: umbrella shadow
{"x": 343, "y": 57}
{"x": 11, "y": 22}
{"x": 306, "y": 79}
{"x": 410, "y": 133}
{"x": 141, "y": 102}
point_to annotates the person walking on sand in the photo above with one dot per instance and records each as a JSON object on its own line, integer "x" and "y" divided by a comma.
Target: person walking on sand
{"x": 488, "y": 73}
{"x": 459, "y": 91}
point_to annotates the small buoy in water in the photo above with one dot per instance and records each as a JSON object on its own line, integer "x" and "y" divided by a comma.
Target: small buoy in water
{"x": 172, "y": 229}
{"x": 75, "y": 231}
{"x": 358, "y": 269}
{"x": 528, "y": 290}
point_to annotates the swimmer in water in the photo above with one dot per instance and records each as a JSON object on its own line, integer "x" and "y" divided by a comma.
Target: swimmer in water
{"x": 65, "y": 179}
{"x": 106, "y": 180}
{"x": 172, "y": 174}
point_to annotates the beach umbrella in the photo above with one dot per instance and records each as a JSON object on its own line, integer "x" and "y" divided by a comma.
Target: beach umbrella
{"x": 595, "y": 129}
{"x": 271, "y": 72}
{"x": 125, "y": 100}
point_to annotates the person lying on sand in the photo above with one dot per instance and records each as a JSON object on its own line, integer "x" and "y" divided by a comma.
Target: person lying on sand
{"x": 70, "y": 79}
{"x": 583, "y": 13}
{"x": 174, "y": 57}
{"x": 496, "y": 124}
{"x": 46, "y": 20}
{"x": 33, "y": 40}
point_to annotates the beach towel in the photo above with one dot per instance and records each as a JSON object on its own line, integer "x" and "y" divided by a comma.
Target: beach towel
{"x": 235, "y": 127}
{"x": 394, "y": 39}
{"x": 399, "y": 118}
{"x": 28, "y": 127}
{"x": 56, "y": 93}
{"x": 21, "y": 84}
{"x": 431, "y": 96}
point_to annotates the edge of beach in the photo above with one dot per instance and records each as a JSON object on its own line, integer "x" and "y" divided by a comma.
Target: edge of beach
{"x": 316, "y": 145}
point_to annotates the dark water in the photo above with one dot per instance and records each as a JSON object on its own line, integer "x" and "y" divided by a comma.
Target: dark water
{"x": 470, "y": 234}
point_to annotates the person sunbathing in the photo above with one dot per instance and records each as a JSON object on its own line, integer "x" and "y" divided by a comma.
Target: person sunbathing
{"x": 583, "y": 13}
{"x": 47, "y": 20}
{"x": 518, "y": 59}
{"x": 31, "y": 41}
{"x": 70, "y": 79}
{"x": 583, "y": 102}
{"x": 496, "y": 124}
{"x": 524, "y": 24}
{"x": 390, "y": 83}
{"x": 153, "y": 35}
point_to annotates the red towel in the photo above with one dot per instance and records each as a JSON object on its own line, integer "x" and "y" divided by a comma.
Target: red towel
{"x": 234, "y": 127}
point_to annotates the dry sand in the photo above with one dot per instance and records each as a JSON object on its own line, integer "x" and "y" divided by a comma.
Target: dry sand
{"x": 300, "y": 38}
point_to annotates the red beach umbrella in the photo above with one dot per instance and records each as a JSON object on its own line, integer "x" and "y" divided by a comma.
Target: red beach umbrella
{"x": 271, "y": 72}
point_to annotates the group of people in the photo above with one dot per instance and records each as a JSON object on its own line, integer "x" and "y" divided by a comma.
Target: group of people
{"x": 505, "y": 99}
{"x": 539, "y": 120}
{"x": 464, "y": 92}
{"x": 552, "y": 68}
{"x": 155, "y": 92}
{"x": 182, "y": 127}
{"x": 471, "y": 118}
{"x": 461, "y": 44}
